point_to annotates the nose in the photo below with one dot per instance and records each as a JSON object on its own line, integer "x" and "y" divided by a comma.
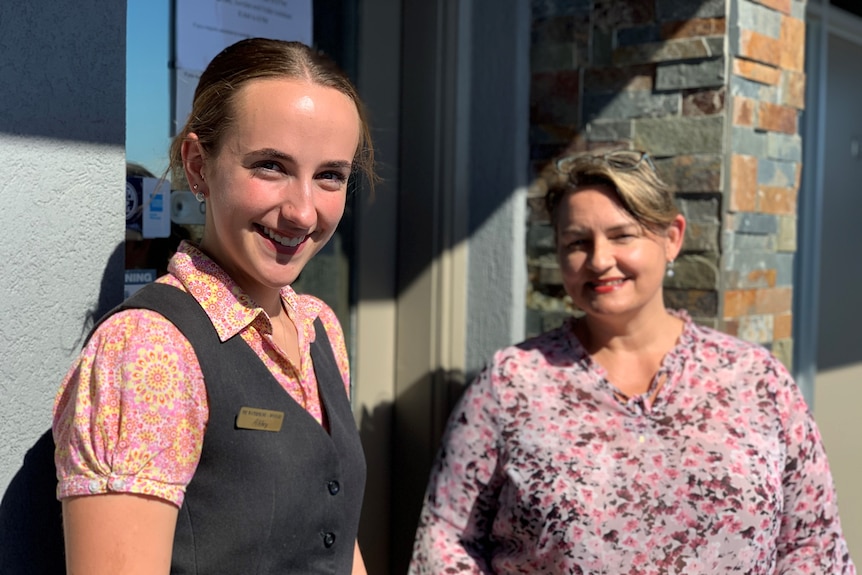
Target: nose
{"x": 601, "y": 257}
{"x": 297, "y": 206}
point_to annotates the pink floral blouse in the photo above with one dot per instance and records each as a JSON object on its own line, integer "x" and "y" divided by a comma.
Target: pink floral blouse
{"x": 544, "y": 470}
{"x": 131, "y": 413}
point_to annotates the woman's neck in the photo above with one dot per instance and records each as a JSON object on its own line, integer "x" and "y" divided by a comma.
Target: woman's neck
{"x": 631, "y": 352}
{"x": 639, "y": 333}
{"x": 269, "y": 300}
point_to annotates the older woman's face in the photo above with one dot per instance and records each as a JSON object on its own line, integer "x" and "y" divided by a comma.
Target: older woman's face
{"x": 611, "y": 265}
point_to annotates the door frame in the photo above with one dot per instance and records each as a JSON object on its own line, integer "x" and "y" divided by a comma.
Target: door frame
{"x": 822, "y": 21}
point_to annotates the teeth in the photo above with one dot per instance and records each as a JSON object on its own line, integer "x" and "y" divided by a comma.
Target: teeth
{"x": 288, "y": 242}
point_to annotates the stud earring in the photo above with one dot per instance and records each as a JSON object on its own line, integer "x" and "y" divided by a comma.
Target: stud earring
{"x": 199, "y": 196}
{"x": 670, "y": 271}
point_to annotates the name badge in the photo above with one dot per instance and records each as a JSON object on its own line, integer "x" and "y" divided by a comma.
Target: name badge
{"x": 259, "y": 419}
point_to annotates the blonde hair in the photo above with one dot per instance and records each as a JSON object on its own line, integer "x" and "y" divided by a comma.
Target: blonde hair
{"x": 255, "y": 58}
{"x": 643, "y": 195}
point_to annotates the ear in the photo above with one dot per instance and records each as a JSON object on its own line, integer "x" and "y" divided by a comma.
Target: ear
{"x": 675, "y": 235}
{"x": 194, "y": 161}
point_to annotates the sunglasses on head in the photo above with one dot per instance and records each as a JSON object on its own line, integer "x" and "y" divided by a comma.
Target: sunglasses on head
{"x": 618, "y": 160}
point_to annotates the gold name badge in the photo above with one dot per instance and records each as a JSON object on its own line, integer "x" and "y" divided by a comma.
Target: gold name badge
{"x": 259, "y": 419}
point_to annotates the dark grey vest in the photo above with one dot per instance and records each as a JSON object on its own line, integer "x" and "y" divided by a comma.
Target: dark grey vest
{"x": 264, "y": 502}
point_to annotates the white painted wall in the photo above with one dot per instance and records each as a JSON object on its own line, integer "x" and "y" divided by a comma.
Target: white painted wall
{"x": 837, "y": 397}
{"x": 497, "y": 174}
{"x": 62, "y": 132}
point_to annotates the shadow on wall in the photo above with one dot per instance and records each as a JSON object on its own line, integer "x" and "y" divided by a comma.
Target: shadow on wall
{"x": 417, "y": 420}
{"x": 374, "y": 430}
{"x": 110, "y": 291}
{"x": 31, "y": 527}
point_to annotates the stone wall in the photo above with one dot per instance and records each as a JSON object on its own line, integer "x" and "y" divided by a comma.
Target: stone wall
{"x": 712, "y": 90}
{"x": 767, "y": 87}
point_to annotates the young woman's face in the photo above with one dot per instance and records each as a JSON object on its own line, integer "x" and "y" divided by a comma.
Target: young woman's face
{"x": 276, "y": 188}
{"x": 611, "y": 266}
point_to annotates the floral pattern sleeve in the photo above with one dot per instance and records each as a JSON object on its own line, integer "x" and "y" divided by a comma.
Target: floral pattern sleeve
{"x": 810, "y": 539}
{"x": 130, "y": 415}
{"x": 460, "y": 503}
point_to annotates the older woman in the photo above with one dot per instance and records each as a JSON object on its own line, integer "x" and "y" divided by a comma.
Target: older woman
{"x": 629, "y": 440}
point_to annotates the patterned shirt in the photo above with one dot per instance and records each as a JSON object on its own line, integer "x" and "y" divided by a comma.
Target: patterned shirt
{"x": 131, "y": 413}
{"x": 544, "y": 469}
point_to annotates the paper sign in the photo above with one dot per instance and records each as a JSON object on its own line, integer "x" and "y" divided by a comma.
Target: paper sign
{"x": 156, "y": 216}
{"x": 136, "y": 279}
{"x": 205, "y": 27}
{"x": 185, "y": 82}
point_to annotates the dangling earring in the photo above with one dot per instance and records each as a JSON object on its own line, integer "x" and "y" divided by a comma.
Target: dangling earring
{"x": 670, "y": 269}
{"x": 199, "y": 196}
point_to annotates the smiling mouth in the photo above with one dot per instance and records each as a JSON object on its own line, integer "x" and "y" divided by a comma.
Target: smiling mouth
{"x": 285, "y": 241}
{"x": 609, "y": 283}
{"x": 606, "y": 287}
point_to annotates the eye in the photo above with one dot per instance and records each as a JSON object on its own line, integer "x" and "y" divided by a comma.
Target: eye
{"x": 576, "y": 244}
{"x": 624, "y": 235}
{"x": 333, "y": 179}
{"x": 333, "y": 175}
{"x": 267, "y": 167}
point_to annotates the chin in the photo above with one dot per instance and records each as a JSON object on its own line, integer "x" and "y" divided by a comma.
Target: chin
{"x": 606, "y": 310}
{"x": 279, "y": 277}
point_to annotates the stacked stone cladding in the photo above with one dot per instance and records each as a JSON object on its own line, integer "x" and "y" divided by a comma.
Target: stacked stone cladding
{"x": 712, "y": 90}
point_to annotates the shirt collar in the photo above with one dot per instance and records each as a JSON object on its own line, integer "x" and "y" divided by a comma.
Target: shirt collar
{"x": 229, "y": 308}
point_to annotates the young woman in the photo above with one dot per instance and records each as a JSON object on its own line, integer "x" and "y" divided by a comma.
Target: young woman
{"x": 629, "y": 440}
{"x": 207, "y": 428}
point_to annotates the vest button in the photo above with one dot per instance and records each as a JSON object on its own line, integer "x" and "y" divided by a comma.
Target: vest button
{"x": 333, "y": 487}
{"x": 328, "y": 539}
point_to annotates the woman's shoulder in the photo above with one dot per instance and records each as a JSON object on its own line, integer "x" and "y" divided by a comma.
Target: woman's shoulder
{"x": 119, "y": 408}
{"x": 554, "y": 348}
{"x": 136, "y": 324}
{"x": 137, "y": 337}
{"x": 310, "y": 308}
{"x": 307, "y": 304}
{"x": 711, "y": 336}
{"x": 711, "y": 345}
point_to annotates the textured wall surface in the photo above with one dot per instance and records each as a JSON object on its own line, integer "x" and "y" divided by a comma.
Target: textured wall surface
{"x": 766, "y": 96}
{"x": 62, "y": 131}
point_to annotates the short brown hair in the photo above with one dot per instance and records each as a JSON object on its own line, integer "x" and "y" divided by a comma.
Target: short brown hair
{"x": 255, "y": 58}
{"x": 643, "y": 195}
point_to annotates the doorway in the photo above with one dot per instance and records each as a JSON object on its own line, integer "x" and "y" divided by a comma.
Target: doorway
{"x": 828, "y": 358}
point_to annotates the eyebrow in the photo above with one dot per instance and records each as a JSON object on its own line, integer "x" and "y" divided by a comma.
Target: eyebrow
{"x": 279, "y": 155}
{"x": 619, "y": 228}
{"x": 271, "y": 153}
